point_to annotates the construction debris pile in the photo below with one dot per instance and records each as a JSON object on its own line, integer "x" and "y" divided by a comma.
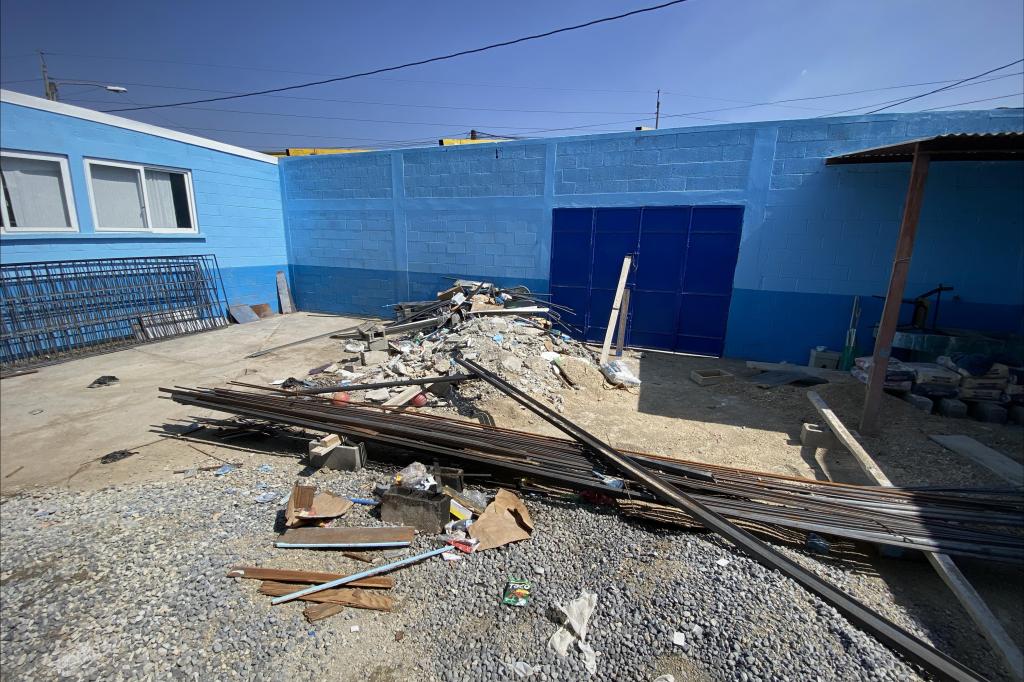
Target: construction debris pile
{"x": 408, "y": 360}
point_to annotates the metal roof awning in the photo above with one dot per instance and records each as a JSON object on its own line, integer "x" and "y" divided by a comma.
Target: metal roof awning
{"x": 1008, "y": 146}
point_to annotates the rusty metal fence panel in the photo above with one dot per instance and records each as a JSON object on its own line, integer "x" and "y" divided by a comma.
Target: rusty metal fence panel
{"x": 58, "y": 310}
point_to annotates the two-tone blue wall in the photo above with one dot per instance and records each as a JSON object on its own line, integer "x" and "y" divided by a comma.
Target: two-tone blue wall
{"x": 237, "y": 201}
{"x": 369, "y": 229}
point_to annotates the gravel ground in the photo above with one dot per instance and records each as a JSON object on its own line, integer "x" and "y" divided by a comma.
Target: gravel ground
{"x": 128, "y": 582}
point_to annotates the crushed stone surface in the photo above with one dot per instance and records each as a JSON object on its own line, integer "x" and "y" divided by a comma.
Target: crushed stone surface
{"x": 129, "y": 583}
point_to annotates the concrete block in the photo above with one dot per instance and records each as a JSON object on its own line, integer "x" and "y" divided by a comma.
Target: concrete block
{"x": 951, "y": 407}
{"x": 710, "y": 377}
{"x": 373, "y": 357}
{"x": 920, "y": 402}
{"x": 349, "y": 457}
{"x": 816, "y": 436}
{"x": 992, "y": 413}
{"x": 422, "y": 510}
{"x": 379, "y": 343}
{"x": 1016, "y": 414}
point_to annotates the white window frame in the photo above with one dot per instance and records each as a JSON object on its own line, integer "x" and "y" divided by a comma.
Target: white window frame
{"x": 65, "y": 181}
{"x": 141, "y": 169}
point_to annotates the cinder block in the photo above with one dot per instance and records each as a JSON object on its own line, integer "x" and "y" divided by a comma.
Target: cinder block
{"x": 951, "y": 407}
{"x": 379, "y": 343}
{"x": 920, "y": 402}
{"x": 815, "y": 436}
{"x": 424, "y": 511}
{"x": 992, "y": 413}
{"x": 350, "y": 457}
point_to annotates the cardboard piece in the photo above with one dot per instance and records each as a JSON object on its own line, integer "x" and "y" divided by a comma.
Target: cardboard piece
{"x": 304, "y": 506}
{"x": 505, "y": 520}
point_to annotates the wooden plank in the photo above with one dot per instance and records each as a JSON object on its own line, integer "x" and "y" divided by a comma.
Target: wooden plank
{"x": 616, "y": 304}
{"x": 284, "y": 575}
{"x": 359, "y": 599}
{"x": 894, "y": 296}
{"x": 993, "y": 460}
{"x": 830, "y": 374}
{"x": 321, "y": 536}
{"x": 315, "y": 612}
{"x": 620, "y": 342}
{"x": 284, "y": 294}
{"x": 406, "y": 395}
{"x": 948, "y": 571}
{"x": 849, "y": 442}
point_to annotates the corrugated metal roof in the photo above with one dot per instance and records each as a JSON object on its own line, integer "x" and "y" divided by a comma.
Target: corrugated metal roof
{"x": 1001, "y": 146}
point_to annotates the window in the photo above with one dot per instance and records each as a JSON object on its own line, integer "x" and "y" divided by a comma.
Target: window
{"x": 127, "y": 196}
{"x": 36, "y": 193}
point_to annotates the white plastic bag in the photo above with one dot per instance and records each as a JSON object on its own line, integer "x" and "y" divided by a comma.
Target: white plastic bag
{"x": 619, "y": 374}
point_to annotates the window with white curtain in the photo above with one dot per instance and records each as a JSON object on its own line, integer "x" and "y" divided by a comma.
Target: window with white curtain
{"x": 132, "y": 197}
{"x": 36, "y": 193}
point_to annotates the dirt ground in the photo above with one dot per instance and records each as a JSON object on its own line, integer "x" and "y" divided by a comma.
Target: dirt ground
{"x": 54, "y": 430}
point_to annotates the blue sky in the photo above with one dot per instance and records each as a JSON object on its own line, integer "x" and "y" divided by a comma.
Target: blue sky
{"x": 703, "y": 54}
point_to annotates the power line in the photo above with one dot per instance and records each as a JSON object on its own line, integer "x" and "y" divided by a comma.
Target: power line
{"x": 430, "y": 60}
{"x": 947, "y": 87}
{"x": 975, "y": 101}
{"x": 894, "y": 101}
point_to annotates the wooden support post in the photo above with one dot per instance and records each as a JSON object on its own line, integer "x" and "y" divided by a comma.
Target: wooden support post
{"x": 948, "y": 571}
{"x": 620, "y": 341}
{"x": 894, "y": 296}
{"x": 627, "y": 262}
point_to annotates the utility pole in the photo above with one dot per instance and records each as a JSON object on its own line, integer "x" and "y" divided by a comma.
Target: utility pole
{"x": 657, "y": 109}
{"x": 49, "y": 87}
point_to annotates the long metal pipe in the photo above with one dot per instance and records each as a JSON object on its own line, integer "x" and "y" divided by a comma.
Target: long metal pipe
{"x": 451, "y": 378}
{"x": 879, "y": 627}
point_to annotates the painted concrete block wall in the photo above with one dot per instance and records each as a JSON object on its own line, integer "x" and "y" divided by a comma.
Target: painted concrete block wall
{"x": 238, "y": 202}
{"x": 813, "y": 237}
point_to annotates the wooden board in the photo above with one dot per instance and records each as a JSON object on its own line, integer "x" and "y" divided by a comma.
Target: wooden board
{"x": 609, "y": 332}
{"x": 263, "y": 310}
{"x": 965, "y": 593}
{"x": 328, "y": 536}
{"x": 359, "y": 599}
{"x": 993, "y": 460}
{"x": 284, "y": 294}
{"x": 285, "y": 575}
{"x": 315, "y": 612}
{"x": 242, "y": 314}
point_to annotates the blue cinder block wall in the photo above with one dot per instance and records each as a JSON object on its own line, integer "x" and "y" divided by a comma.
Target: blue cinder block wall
{"x": 369, "y": 229}
{"x": 237, "y": 200}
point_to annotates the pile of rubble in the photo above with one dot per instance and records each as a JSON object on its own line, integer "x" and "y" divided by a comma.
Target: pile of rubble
{"x": 505, "y": 330}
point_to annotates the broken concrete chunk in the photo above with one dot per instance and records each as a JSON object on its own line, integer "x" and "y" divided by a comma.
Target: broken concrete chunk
{"x": 378, "y": 395}
{"x": 373, "y": 357}
{"x": 510, "y": 362}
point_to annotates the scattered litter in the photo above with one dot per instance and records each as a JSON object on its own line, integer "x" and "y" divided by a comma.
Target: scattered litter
{"x": 354, "y": 347}
{"x": 354, "y": 628}
{"x": 43, "y": 513}
{"x": 264, "y": 468}
{"x": 225, "y": 469}
{"x": 265, "y": 497}
{"x": 678, "y": 638}
{"x": 368, "y": 501}
{"x": 497, "y": 338}
{"x": 105, "y": 380}
{"x": 523, "y": 669}
{"x": 451, "y": 556}
{"x": 116, "y": 456}
{"x": 575, "y": 617}
{"x": 722, "y": 562}
{"x": 517, "y": 592}
{"x": 619, "y": 374}
{"x": 34, "y": 412}
{"x": 817, "y": 544}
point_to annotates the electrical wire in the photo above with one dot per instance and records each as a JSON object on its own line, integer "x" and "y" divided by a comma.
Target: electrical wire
{"x": 429, "y": 60}
{"x": 893, "y": 101}
{"x": 975, "y": 101}
{"x": 947, "y": 87}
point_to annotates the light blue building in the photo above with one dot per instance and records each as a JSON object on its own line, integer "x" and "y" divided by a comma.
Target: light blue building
{"x": 747, "y": 244}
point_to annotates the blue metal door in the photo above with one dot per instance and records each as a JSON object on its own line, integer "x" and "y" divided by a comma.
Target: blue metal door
{"x": 681, "y": 284}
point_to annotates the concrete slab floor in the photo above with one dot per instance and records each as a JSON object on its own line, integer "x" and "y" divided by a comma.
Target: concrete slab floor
{"x": 52, "y": 426}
